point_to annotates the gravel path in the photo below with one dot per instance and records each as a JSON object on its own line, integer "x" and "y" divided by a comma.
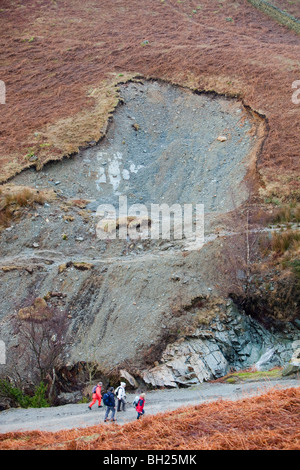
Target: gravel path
{"x": 78, "y": 416}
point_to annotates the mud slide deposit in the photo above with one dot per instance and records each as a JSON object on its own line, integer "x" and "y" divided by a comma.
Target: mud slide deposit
{"x": 164, "y": 145}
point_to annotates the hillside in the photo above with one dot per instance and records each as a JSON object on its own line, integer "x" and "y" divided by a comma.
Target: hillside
{"x": 149, "y": 203}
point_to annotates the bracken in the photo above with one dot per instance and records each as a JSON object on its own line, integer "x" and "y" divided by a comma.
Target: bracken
{"x": 267, "y": 422}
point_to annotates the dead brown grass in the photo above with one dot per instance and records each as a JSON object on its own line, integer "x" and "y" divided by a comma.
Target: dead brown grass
{"x": 13, "y": 202}
{"x": 290, "y": 6}
{"x": 288, "y": 240}
{"x": 266, "y": 422}
{"x": 286, "y": 214}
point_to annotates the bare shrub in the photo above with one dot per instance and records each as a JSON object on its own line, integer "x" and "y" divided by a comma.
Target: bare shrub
{"x": 41, "y": 330}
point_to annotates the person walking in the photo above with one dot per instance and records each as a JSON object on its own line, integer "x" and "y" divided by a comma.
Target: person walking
{"x": 96, "y": 396}
{"x": 140, "y": 406}
{"x": 121, "y": 396}
{"x": 109, "y": 401}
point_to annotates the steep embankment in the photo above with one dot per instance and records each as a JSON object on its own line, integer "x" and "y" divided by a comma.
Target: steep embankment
{"x": 119, "y": 311}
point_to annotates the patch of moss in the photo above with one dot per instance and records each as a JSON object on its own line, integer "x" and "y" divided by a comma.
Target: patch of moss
{"x": 249, "y": 375}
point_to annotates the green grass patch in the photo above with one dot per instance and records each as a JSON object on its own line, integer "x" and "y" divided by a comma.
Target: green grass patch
{"x": 250, "y": 375}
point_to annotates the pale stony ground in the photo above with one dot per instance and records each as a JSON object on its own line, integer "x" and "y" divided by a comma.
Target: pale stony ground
{"x": 157, "y": 401}
{"x": 122, "y": 303}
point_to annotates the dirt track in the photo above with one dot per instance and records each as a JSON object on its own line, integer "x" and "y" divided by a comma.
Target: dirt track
{"x": 78, "y": 416}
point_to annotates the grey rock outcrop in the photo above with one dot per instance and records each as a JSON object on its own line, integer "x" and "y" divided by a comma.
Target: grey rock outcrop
{"x": 236, "y": 343}
{"x": 67, "y": 398}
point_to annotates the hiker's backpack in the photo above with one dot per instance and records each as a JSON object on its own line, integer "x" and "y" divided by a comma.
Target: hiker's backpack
{"x": 106, "y": 399}
{"x": 117, "y": 390}
{"x": 135, "y": 401}
{"x": 94, "y": 389}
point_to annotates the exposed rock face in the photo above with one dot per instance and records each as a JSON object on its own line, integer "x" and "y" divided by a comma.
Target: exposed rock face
{"x": 235, "y": 342}
{"x": 122, "y": 296}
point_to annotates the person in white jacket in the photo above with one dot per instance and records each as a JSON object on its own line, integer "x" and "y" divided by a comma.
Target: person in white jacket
{"x": 121, "y": 396}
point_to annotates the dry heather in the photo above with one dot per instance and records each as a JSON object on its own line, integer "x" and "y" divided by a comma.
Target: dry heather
{"x": 267, "y": 422}
{"x": 14, "y": 200}
{"x": 61, "y": 62}
{"x": 289, "y": 6}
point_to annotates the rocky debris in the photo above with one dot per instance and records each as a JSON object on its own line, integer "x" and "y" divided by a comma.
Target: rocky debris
{"x": 69, "y": 397}
{"x": 69, "y": 218}
{"x": 81, "y": 266}
{"x": 131, "y": 223}
{"x": 167, "y": 141}
{"x": 125, "y": 302}
{"x": 51, "y": 294}
{"x": 81, "y": 203}
{"x": 27, "y": 268}
{"x": 135, "y": 126}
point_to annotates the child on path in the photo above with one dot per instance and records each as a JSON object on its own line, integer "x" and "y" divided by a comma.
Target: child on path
{"x": 140, "y": 406}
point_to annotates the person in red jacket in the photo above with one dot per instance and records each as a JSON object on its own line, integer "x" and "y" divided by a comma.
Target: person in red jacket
{"x": 140, "y": 406}
{"x": 96, "y": 396}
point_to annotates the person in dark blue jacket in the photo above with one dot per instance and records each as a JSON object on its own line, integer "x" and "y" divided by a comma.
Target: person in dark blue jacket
{"x": 110, "y": 405}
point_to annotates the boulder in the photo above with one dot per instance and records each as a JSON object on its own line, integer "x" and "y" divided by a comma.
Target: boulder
{"x": 129, "y": 378}
{"x": 293, "y": 366}
{"x": 69, "y": 398}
